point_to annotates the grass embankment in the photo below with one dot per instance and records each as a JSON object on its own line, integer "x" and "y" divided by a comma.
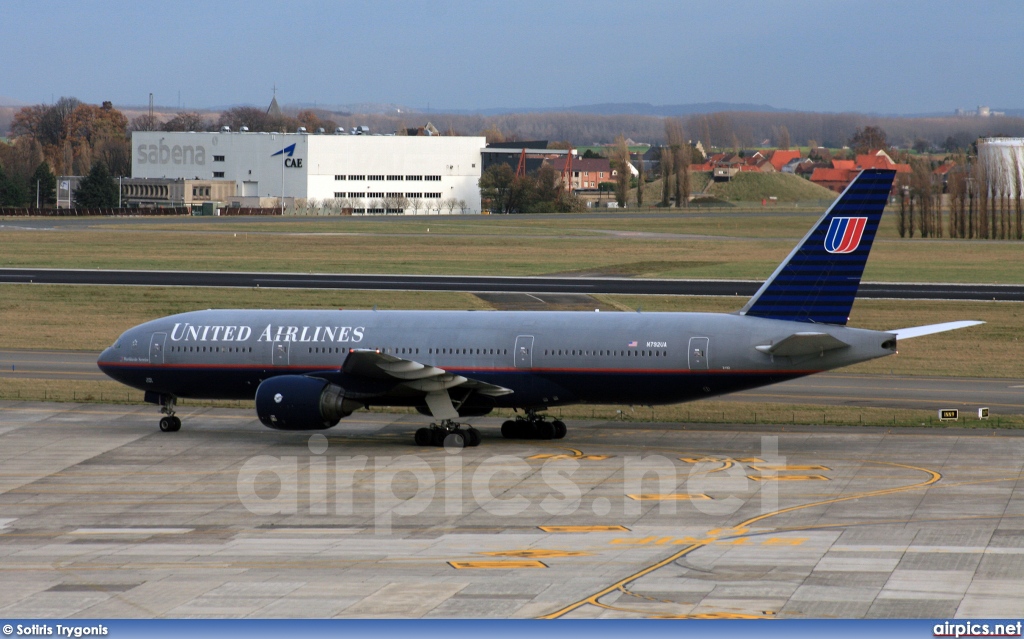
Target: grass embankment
{"x": 662, "y": 246}
{"x": 90, "y": 318}
{"x": 748, "y": 187}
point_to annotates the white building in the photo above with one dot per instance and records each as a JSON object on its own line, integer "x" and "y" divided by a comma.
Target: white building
{"x": 369, "y": 172}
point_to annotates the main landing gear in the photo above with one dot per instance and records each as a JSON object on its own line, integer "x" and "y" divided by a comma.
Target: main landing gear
{"x": 448, "y": 433}
{"x": 533, "y": 426}
{"x": 169, "y": 423}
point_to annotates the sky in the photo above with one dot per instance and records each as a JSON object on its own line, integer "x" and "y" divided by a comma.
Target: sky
{"x": 868, "y": 56}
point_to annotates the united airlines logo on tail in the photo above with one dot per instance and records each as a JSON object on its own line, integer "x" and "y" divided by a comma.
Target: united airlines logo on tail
{"x": 844, "y": 234}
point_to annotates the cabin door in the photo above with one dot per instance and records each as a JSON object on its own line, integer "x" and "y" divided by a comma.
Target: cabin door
{"x": 698, "y": 355}
{"x": 156, "y": 348}
{"x": 524, "y": 351}
{"x": 280, "y": 353}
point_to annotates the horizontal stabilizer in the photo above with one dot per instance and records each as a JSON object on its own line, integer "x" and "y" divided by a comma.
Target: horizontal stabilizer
{"x": 802, "y": 343}
{"x": 918, "y": 331}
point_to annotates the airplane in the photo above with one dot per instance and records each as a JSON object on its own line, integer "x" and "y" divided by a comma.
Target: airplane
{"x": 308, "y": 369}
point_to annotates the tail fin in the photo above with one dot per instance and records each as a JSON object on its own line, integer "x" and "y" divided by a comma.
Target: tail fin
{"x": 819, "y": 279}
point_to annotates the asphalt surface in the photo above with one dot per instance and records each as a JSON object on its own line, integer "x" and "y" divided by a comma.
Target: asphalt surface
{"x": 102, "y": 515}
{"x": 1003, "y": 396}
{"x": 486, "y": 284}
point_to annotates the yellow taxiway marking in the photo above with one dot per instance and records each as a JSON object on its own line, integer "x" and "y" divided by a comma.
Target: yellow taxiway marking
{"x": 496, "y": 565}
{"x": 741, "y": 529}
{"x": 582, "y": 529}
{"x": 566, "y": 456}
{"x": 536, "y": 553}
{"x": 668, "y": 497}
{"x": 789, "y": 478}
{"x": 719, "y": 460}
{"x": 786, "y": 467}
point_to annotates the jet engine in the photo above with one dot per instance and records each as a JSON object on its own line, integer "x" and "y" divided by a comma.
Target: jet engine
{"x": 296, "y": 402}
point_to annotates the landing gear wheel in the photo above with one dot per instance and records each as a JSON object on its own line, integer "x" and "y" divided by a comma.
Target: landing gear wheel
{"x": 509, "y": 429}
{"x": 472, "y": 437}
{"x": 437, "y": 436}
{"x": 455, "y": 439}
{"x": 560, "y": 429}
{"x": 544, "y": 430}
{"x": 170, "y": 424}
{"x": 422, "y": 437}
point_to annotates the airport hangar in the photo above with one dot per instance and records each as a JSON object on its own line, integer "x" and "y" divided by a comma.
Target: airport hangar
{"x": 365, "y": 169}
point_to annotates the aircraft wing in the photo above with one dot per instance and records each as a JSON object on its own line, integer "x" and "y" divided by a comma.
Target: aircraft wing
{"x": 803, "y": 343}
{"x": 412, "y": 374}
{"x": 918, "y": 331}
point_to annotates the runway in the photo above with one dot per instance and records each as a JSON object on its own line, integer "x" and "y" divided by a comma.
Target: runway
{"x": 487, "y": 284}
{"x": 101, "y": 515}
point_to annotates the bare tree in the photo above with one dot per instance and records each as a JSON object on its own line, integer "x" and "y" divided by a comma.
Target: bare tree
{"x": 640, "y": 183}
{"x": 463, "y": 207}
{"x": 1018, "y": 204}
{"x": 450, "y": 204}
{"x": 666, "y": 176}
{"x": 782, "y": 138}
{"x": 401, "y": 202}
{"x": 416, "y": 204}
{"x": 435, "y": 206}
{"x": 186, "y": 121}
{"x": 358, "y": 204}
{"x": 144, "y": 122}
{"x": 681, "y": 157}
{"x": 620, "y": 162}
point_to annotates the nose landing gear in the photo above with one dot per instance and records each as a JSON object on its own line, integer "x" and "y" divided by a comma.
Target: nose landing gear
{"x": 170, "y": 422}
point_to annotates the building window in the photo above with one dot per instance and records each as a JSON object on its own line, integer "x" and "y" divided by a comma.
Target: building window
{"x": 394, "y": 195}
{"x": 412, "y": 195}
{"x": 379, "y": 178}
{"x": 392, "y": 178}
{"x": 218, "y": 174}
{"x": 357, "y": 177}
{"x": 413, "y": 178}
{"x": 339, "y": 194}
{"x": 374, "y": 195}
{"x": 351, "y": 194}
{"x": 432, "y": 178}
{"x": 339, "y": 177}
{"x": 218, "y": 158}
{"x": 432, "y": 195}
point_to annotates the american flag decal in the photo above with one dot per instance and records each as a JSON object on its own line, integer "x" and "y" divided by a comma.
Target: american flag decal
{"x": 632, "y": 344}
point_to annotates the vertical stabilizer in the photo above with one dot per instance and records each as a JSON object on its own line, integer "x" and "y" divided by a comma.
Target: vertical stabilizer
{"x": 819, "y": 279}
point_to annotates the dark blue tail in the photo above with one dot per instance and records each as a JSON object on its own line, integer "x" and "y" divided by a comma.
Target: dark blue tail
{"x": 819, "y": 279}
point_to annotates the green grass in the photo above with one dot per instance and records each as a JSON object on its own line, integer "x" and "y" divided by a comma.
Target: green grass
{"x": 699, "y": 412}
{"x": 511, "y": 245}
{"x": 751, "y": 187}
{"x": 755, "y": 186}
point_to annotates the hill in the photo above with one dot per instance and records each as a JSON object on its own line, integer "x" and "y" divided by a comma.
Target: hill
{"x": 748, "y": 187}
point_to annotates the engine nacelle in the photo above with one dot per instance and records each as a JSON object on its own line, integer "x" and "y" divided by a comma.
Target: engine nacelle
{"x": 296, "y": 402}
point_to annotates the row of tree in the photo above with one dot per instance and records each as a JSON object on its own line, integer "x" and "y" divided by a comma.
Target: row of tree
{"x": 982, "y": 200}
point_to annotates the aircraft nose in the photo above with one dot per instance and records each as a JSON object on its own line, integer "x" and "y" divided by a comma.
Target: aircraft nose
{"x": 105, "y": 357}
